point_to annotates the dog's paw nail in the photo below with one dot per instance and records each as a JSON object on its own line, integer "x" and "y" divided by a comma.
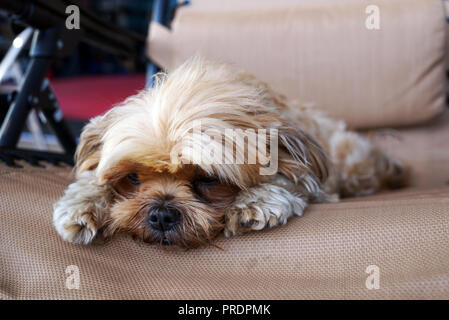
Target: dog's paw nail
{"x": 228, "y": 233}
{"x": 247, "y": 224}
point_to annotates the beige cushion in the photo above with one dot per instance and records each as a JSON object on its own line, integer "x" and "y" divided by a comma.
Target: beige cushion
{"x": 425, "y": 149}
{"x": 323, "y": 254}
{"x": 321, "y": 52}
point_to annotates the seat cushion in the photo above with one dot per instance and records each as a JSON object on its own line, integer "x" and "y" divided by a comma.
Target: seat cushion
{"x": 425, "y": 149}
{"x": 321, "y": 52}
{"x": 324, "y": 254}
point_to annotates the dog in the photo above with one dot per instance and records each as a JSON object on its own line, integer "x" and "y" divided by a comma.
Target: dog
{"x": 138, "y": 170}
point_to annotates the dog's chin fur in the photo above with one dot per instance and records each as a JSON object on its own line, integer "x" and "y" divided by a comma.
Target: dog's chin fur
{"x": 318, "y": 160}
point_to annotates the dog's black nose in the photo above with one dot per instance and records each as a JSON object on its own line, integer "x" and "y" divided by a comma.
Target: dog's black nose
{"x": 163, "y": 218}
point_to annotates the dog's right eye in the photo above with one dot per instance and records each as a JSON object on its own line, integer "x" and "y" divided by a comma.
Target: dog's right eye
{"x": 134, "y": 179}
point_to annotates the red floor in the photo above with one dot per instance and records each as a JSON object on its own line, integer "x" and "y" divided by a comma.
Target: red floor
{"x": 85, "y": 97}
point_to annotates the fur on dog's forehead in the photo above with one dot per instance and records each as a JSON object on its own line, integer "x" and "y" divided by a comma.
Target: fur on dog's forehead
{"x": 149, "y": 127}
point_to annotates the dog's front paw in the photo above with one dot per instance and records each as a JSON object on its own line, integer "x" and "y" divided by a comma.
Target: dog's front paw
{"x": 241, "y": 219}
{"x": 74, "y": 224}
{"x": 261, "y": 207}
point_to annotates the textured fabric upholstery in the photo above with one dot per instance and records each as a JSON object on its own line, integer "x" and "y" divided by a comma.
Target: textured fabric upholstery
{"x": 323, "y": 254}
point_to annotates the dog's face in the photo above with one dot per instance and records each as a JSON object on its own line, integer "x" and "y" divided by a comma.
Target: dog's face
{"x": 146, "y": 150}
{"x": 184, "y": 208}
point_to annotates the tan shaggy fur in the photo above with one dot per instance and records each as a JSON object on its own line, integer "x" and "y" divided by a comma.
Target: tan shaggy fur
{"x": 318, "y": 161}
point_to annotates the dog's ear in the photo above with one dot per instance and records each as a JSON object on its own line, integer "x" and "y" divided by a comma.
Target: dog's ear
{"x": 88, "y": 151}
{"x": 301, "y": 151}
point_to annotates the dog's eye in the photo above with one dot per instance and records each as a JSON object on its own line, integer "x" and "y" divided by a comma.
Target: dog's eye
{"x": 206, "y": 181}
{"x": 204, "y": 185}
{"x": 134, "y": 179}
{"x": 214, "y": 192}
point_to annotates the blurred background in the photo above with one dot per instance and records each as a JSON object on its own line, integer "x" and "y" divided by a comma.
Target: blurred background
{"x": 89, "y": 80}
{"x": 323, "y": 53}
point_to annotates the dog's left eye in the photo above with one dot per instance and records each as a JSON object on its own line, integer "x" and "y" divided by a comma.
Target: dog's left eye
{"x": 134, "y": 179}
{"x": 206, "y": 181}
{"x": 213, "y": 191}
{"x": 203, "y": 186}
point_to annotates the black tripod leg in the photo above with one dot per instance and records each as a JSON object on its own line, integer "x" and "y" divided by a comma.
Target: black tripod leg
{"x": 32, "y": 93}
{"x": 18, "y": 112}
{"x": 50, "y": 108}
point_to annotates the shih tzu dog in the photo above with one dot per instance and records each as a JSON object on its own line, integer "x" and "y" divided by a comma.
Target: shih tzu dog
{"x": 211, "y": 149}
